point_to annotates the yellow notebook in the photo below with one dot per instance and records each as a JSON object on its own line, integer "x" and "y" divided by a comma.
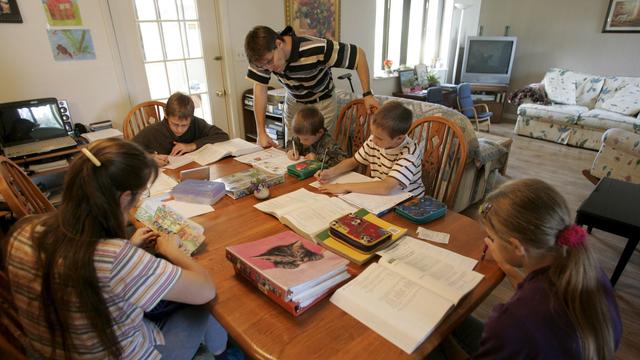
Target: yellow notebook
{"x": 352, "y": 254}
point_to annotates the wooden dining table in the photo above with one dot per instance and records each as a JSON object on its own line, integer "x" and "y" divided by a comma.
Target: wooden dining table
{"x": 266, "y": 331}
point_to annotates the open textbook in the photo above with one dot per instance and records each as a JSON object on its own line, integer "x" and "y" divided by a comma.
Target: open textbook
{"x": 211, "y": 153}
{"x": 406, "y": 294}
{"x": 305, "y": 212}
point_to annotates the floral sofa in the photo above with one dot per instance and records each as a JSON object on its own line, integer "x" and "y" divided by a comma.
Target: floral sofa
{"x": 581, "y": 108}
{"x": 484, "y": 157}
{"x": 619, "y": 156}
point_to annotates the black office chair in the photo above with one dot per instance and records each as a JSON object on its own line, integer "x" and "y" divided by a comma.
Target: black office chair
{"x": 434, "y": 95}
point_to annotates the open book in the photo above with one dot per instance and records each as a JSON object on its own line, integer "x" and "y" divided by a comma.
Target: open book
{"x": 409, "y": 291}
{"x": 271, "y": 160}
{"x": 377, "y": 204}
{"x": 306, "y": 213}
{"x": 211, "y": 153}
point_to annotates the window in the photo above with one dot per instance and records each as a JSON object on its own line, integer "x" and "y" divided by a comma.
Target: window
{"x": 410, "y": 32}
{"x": 170, "y": 33}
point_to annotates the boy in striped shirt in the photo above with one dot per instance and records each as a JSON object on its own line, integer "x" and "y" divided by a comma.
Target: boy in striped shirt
{"x": 391, "y": 155}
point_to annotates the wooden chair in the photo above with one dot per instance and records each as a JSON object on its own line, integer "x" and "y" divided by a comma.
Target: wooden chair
{"x": 478, "y": 112}
{"x": 445, "y": 154}
{"x": 141, "y": 116}
{"x": 20, "y": 193}
{"x": 11, "y": 331}
{"x": 353, "y": 126}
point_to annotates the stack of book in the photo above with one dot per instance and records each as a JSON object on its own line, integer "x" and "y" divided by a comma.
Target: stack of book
{"x": 359, "y": 235}
{"x": 242, "y": 183}
{"x": 292, "y": 271}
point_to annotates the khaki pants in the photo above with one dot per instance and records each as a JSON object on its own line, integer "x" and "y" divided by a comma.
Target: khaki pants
{"x": 328, "y": 108}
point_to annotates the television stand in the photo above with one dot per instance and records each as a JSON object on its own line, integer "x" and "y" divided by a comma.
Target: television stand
{"x": 494, "y": 95}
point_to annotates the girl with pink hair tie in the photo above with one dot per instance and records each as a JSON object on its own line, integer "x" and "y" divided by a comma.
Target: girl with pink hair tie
{"x": 563, "y": 306}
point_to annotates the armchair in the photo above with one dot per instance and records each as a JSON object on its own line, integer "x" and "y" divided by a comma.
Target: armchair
{"x": 468, "y": 108}
{"x": 618, "y": 157}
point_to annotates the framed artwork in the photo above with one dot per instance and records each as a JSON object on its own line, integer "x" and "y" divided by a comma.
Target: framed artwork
{"x": 9, "y": 12}
{"x": 623, "y": 16}
{"x": 409, "y": 81}
{"x": 319, "y": 18}
{"x": 62, "y": 12}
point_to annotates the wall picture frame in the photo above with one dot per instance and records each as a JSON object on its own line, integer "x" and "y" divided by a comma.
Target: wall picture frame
{"x": 623, "y": 16}
{"x": 9, "y": 12}
{"x": 320, "y": 18}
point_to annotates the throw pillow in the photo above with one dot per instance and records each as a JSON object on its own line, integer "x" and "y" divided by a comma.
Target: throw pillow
{"x": 625, "y": 101}
{"x": 560, "y": 89}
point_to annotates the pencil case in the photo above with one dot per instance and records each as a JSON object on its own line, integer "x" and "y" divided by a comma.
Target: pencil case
{"x": 422, "y": 210}
{"x": 304, "y": 169}
{"x": 360, "y": 234}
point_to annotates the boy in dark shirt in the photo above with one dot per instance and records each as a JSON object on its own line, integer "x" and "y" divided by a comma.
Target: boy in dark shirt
{"x": 311, "y": 139}
{"x": 180, "y": 132}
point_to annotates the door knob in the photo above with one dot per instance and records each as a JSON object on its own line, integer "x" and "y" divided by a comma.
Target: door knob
{"x": 220, "y": 93}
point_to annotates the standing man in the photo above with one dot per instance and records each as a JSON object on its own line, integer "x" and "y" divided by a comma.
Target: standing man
{"x": 303, "y": 65}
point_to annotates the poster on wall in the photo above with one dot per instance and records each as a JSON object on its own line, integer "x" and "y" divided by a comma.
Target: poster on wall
{"x": 71, "y": 44}
{"x": 9, "y": 12}
{"x": 62, "y": 12}
{"x": 319, "y": 18}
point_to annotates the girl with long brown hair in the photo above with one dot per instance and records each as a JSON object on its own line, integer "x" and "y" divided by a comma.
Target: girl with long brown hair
{"x": 81, "y": 290}
{"x": 564, "y": 306}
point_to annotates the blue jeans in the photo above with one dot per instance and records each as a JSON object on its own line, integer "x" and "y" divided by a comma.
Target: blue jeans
{"x": 186, "y": 328}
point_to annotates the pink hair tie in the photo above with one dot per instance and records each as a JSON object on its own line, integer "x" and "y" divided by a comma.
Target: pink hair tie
{"x": 572, "y": 236}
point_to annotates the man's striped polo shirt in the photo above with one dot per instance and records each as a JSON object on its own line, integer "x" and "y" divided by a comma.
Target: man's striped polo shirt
{"x": 307, "y": 75}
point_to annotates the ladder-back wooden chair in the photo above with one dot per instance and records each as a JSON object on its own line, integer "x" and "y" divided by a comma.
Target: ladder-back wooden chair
{"x": 353, "y": 126}
{"x": 445, "y": 154}
{"x": 20, "y": 193}
{"x": 141, "y": 116}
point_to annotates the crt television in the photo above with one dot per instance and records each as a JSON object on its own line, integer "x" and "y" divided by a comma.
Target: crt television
{"x": 488, "y": 59}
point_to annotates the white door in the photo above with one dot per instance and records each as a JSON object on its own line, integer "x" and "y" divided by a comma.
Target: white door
{"x": 172, "y": 45}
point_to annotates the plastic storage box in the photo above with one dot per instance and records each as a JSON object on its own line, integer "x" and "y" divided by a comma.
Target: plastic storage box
{"x": 198, "y": 191}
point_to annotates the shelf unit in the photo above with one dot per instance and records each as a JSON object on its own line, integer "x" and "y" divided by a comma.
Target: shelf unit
{"x": 274, "y": 121}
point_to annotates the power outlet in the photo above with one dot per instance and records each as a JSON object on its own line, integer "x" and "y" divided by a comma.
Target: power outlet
{"x": 240, "y": 55}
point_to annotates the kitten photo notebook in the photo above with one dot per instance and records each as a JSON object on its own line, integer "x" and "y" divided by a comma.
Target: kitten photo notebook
{"x": 292, "y": 271}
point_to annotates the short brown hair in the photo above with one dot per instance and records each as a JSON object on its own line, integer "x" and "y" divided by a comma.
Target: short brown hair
{"x": 394, "y": 118}
{"x": 180, "y": 105}
{"x": 308, "y": 121}
{"x": 258, "y": 42}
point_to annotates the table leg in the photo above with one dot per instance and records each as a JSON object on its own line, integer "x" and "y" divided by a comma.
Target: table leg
{"x": 624, "y": 258}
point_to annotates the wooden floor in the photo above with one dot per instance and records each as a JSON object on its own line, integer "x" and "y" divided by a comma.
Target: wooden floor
{"x": 560, "y": 166}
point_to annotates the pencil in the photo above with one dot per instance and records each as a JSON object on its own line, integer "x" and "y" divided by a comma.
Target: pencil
{"x": 295, "y": 151}
{"x": 324, "y": 157}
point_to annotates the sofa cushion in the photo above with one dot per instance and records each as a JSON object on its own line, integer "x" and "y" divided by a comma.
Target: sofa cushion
{"x": 625, "y": 101}
{"x": 613, "y": 84}
{"x": 560, "y": 89}
{"x": 553, "y": 113}
{"x": 603, "y": 119}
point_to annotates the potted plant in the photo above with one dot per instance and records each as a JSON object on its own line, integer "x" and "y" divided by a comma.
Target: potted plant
{"x": 432, "y": 79}
{"x": 387, "y": 66}
{"x": 259, "y": 185}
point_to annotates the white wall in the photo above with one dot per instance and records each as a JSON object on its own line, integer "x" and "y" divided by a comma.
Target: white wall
{"x": 566, "y": 34}
{"x": 94, "y": 88}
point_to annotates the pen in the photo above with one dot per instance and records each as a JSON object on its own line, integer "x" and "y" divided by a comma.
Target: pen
{"x": 295, "y": 151}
